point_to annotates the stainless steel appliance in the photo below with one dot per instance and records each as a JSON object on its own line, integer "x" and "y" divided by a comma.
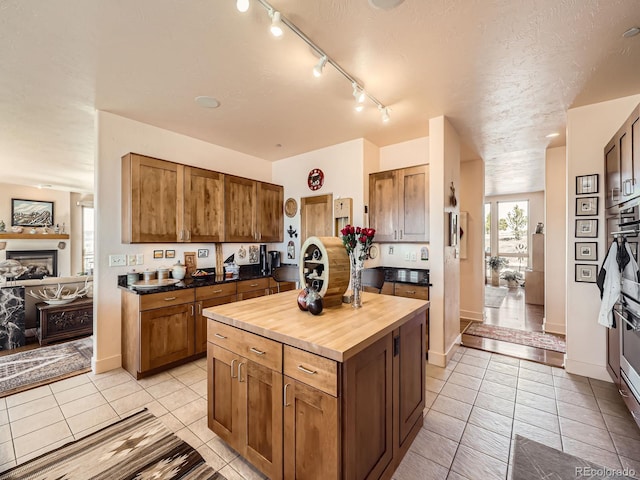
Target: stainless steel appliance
{"x": 274, "y": 260}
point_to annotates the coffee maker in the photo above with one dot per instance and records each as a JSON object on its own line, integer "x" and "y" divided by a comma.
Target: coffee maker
{"x": 274, "y": 260}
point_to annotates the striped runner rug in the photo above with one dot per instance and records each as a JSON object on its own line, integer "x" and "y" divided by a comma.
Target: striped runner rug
{"x": 137, "y": 447}
{"x": 546, "y": 341}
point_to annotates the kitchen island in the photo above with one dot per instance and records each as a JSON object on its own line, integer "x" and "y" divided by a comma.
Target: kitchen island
{"x": 339, "y": 395}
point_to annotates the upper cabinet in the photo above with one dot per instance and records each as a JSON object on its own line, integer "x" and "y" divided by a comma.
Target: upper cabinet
{"x": 253, "y": 211}
{"x": 399, "y": 204}
{"x": 166, "y": 202}
{"x": 149, "y": 199}
{"x": 622, "y": 163}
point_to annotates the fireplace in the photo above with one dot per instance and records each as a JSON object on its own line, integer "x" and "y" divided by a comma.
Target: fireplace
{"x": 39, "y": 263}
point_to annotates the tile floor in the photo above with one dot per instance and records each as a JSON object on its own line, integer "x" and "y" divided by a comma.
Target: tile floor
{"x": 474, "y": 408}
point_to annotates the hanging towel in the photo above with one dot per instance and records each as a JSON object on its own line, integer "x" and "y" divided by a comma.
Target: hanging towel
{"x": 630, "y": 272}
{"x": 609, "y": 285}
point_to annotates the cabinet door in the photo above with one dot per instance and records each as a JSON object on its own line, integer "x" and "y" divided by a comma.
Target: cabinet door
{"x": 201, "y": 320}
{"x": 311, "y": 432}
{"x": 612, "y": 174}
{"x": 626, "y": 163}
{"x": 368, "y": 411}
{"x": 240, "y": 197}
{"x": 634, "y": 131}
{"x": 261, "y": 401}
{"x": 223, "y": 415}
{"x": 203, "y": 206}
{"x": 413, "y": 204}
{"x": 166, "y": 335}
{"x": 149, "y": 199}
{"x": 410, "y": 368}
{"x": 270, "y": 219}
{"x": 383, "y": 205}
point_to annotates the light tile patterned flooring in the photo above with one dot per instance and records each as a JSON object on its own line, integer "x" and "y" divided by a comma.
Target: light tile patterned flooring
{"x": 474, "y": 409}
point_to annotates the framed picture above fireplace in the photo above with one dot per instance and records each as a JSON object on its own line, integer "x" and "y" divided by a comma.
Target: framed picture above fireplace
{"x": 31, "y": 213}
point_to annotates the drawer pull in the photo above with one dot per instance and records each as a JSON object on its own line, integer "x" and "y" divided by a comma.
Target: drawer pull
{"x": 254, "y": 285}
{"x": 306, "y": 370}
{"x": 256, "y": 351}
{"x": 169, "y": 299}
{"x": 633, "y": 414}
{"x": 411, "y": 292}
{"x": 233, "y": 362}
{"x": 240, "y": 372}
{"x": 220, "y": 336}
{"x": 286, "y": 386}
{"x": 217, "y": 291}
{"x": 623, "y": 393}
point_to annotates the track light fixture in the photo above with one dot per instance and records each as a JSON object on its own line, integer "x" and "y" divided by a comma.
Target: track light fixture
{"x": 242, "y": 5}
{"x": 277, "y": 22}
{"x": 317, "y": 70}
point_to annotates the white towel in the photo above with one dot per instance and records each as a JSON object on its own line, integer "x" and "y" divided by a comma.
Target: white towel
{"x": 611, "y": 286}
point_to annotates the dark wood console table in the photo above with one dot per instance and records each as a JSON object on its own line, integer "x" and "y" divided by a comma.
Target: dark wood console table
{"x": 63, "y": 322}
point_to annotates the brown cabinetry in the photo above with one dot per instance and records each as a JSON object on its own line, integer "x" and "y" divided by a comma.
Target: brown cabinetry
{"x": 62, "y": 322}
{"x": 253, "y": 288}
{"x": 253, "y": 211}
{"x": 206, "y": 297}
{"x": 622, "y": 162}
{"x": 203, "y": 197}
{"x": 399, "y": 204}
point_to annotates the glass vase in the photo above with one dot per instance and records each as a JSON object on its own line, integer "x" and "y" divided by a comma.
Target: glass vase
{"x": 356, "y": 282}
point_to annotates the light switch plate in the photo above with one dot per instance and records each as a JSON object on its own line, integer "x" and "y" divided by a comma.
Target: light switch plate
{"x": 414, "y": 257}
{"x": 117, "y": 260}
{"x": 131, "y": 259}
{"x": 140, "y": 258}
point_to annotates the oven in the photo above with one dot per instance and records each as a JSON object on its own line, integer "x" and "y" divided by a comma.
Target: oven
{"x": 627, "y": 314}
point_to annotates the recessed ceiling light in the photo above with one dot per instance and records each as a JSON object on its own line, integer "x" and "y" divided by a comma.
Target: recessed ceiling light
{"x": 632, "y": 32}
{"x": 385, "y": 4}
{"x": 553, "y": 135}
{"x": 207, "y": 102}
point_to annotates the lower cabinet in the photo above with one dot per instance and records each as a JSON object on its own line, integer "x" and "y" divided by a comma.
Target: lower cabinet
{"x": 253, "y": 288}
{"x": 297, "y": 415}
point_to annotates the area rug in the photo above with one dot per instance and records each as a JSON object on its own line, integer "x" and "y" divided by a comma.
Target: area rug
{"x": 137, "y": 447}
{"x": 535, "y": 461}
{"x": 546, "y": 341}
{"x": 25, "y": 370}
{"x": 494, "y": 296}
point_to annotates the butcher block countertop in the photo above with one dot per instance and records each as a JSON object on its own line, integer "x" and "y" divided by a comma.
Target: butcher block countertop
{"x": 338, "y": 333}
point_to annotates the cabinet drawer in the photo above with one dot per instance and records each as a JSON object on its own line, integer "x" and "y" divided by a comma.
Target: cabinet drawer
{"x": 412, "y": 291}
{"x": 254, "y": 347}
{"x": 630, "y": 400}
{"x": 166, "y": 299}
{"x": 249, "y": 285}
{"x": 314, "y": 370}
{"x": 213, "y": 291}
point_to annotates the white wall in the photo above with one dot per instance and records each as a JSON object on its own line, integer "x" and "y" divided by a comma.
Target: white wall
{"x": 405, "y": 154}
{"x": 555, "y": 248}
{"x": 116, "y": 137}
{"x": 589, "y": 128}
{"x": 61, "y": 215}
{"x": 444, "y": 313}
{"x": 472, "y": 267}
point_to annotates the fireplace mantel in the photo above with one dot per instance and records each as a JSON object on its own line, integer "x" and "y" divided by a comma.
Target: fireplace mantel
{"x": 34, "y": 236}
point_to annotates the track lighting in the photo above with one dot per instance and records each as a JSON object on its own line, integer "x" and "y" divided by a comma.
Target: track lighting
{"x": 276, "y": 24}
{"x": 242, "y": 5}
{"x": 317, "y": 70}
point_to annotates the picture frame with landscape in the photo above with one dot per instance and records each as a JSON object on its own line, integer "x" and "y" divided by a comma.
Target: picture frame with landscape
{"x": 586, "y": 206}
{"x": 586, "y": 273}
{"x": 31, "y": 213}
{"x": 586, "y": 251}
{"x": 587, "y": 184}
{"x": 587, "y": 228}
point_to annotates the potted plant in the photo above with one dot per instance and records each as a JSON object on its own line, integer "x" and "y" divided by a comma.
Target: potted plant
{"x": 496, "y": 263}
{"x": 512, "y": 277}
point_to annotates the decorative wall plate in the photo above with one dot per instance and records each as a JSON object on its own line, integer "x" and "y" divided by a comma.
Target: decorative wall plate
{"x": 373, "y": 251}
{"x": 315, "y": 179}
{"x": 290, "y": 207}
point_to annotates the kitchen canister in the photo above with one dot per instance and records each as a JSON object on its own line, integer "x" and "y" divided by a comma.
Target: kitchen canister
{"x": 178, "y": 271}
{"x": 132, "y": 277}
{"x": 163, "y": 273}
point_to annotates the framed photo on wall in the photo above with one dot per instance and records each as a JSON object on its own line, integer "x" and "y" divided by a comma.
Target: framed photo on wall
{"x": 586, "y": 206}
{"x": 586, "y": 273}
{"x": 587, "y": 184}
{"x": 586, "y": 228}
{"x": 586, "y": 251}
{"x": 31, "y": 213}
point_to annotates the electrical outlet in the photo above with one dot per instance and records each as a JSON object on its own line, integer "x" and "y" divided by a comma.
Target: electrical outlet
{"x": 406, "y": 256}
{"x": 414, "y": 257}
{"x": 390, "y": 250}
{"x": 117, "y": 260}
{"x": 131, "y": 259}
{"x": 140, "y": 258}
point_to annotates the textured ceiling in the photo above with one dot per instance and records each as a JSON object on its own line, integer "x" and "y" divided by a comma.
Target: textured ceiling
{"x": 504, "y": 71}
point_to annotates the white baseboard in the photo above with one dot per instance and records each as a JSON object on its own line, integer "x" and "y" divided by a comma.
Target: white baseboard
{"x": 106, "y": 364}
{"x": 442, "y": 359}
{"x": 590, "y": 370}
{"x": 559, "y": 328}
{"x": 472, "y": 316}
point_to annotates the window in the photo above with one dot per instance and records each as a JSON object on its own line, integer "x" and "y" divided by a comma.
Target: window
{"x": 487, "y": 229}
{"x": 87, "y": 240}
{"x": 513, "y": 233}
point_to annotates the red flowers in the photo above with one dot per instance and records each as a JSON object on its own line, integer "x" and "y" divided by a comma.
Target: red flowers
{"x": 357, "y": 239}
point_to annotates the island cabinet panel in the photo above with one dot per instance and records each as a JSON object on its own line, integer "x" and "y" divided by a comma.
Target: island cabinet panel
{"x": 203, "y": 206}
{"x": 223, "y": 393}
{"x": 166, "y": 335}
{"x": 311, "y": 432}
{"x": 368, "y": 411}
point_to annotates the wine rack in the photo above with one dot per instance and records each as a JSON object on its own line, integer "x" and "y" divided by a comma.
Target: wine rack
{"x": 324, "y": 267}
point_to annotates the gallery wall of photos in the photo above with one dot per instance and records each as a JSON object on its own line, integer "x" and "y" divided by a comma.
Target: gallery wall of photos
{"x": 586, "y": 228}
